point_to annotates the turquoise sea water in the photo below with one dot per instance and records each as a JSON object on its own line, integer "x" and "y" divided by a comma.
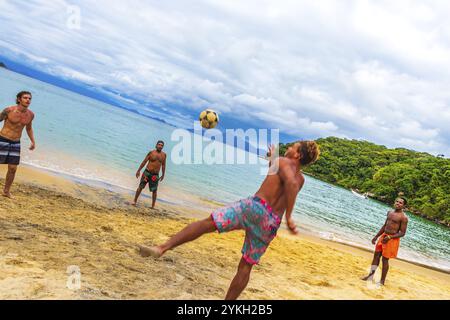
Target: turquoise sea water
{"x": 88, "y": 139}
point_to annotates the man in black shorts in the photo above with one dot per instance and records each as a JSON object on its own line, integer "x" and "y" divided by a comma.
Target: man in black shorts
{"x": 155, "y": 161}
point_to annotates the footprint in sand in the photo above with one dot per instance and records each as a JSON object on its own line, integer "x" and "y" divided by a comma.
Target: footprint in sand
{"x": 254, "y": 290}
{"x": 15, "y": 262}
{"x": 16, "y": 238}
{"x": 37, "y": 288}
{"x": 168, "y": 259}
{"x": 323, "y": 283}
{"x": 107, "y": 228}
{"x": 179, "y": 277}
{"x": 403, "y": 289}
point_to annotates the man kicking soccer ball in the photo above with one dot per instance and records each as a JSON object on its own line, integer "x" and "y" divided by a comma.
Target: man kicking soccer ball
{"x": 259, "y": 215}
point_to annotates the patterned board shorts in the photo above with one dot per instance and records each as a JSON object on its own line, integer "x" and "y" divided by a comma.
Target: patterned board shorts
{"x": 150, "y": 178}
{"x": 256, "y": 217}
{"x": 9, "y": 151}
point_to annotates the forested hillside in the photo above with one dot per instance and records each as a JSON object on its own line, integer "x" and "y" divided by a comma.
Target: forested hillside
{"x": 384, "y": 173}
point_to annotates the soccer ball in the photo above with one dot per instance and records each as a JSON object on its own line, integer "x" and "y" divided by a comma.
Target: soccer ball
{"x": 209, "y": 119}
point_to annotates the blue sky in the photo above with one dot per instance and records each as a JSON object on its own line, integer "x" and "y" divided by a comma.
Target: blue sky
{"x": 373, "y": 70}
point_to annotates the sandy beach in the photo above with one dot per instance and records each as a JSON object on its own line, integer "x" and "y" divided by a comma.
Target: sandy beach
{"x": 54, "y": 223}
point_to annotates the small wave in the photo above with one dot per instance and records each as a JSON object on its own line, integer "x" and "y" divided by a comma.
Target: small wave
{"x": 327, "y": 236}
{"x": 403, "y": 255}
{"x": 93, "y": 181}
{"x": 79, "y": 177}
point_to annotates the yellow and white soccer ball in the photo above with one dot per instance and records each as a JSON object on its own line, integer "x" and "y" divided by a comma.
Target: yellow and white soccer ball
{"x": 209, "y": 119}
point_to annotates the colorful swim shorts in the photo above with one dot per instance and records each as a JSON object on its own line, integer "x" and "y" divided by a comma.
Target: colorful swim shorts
{"x": 256, "y": 217}
{"x": 150, "y": 178}
{"x": 9, "y": 151}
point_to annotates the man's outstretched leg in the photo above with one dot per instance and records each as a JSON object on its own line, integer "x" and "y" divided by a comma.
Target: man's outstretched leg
{"x": 373, "y": 268}
{"x": 240, "y": 280}
{"x": 385, "y": 270}
{"x": 189, "y": 233}
{"x": 136, "y": 196}
{"x": 154, "y": 195}
{"x": 9, "y": 179}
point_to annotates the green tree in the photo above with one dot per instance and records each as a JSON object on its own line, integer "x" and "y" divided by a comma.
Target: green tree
{"x": 383, "y": 172}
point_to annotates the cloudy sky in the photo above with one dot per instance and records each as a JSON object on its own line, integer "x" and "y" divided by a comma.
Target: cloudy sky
{"x": 373, "y": 70}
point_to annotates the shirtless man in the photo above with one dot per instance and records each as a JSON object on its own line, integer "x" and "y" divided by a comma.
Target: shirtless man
{"x": 259, "y": 215}
{"x": 156, "y": 160}
{"x": 16, "y": 118}
{"x": 389, "y": 239}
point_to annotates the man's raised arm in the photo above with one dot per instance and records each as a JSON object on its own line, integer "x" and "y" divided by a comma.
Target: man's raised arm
{"x": 271, "y": 154}
{"x": 291, "y": 187}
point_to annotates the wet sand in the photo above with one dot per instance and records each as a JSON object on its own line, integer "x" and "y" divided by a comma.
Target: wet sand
{"x": 54, "y": 223}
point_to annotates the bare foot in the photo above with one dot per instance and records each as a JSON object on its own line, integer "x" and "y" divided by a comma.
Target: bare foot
{"x": 369, "y": 277}
{"x": 7, "y": 194}
{"x": 134, "y": 204}
{"x": 155, "y": 252}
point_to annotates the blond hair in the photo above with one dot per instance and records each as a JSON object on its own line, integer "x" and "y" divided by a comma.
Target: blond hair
{"x": 309, "y": 151}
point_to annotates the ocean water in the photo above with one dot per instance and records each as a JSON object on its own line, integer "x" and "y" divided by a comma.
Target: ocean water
{"x": 94, "y": 141}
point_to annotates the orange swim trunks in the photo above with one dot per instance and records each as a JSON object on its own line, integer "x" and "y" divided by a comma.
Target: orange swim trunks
{"x": 390, "y": 249}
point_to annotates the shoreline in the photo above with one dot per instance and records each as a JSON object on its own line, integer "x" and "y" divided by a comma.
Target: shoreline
{"x": 55, "y": 223}
{"x": 411, "y": 211}
{"x": 406, "y": 261}
{"x": 197, "y": 209}
{"x": 40, "y": 173}
{"x": 355, "y": 247}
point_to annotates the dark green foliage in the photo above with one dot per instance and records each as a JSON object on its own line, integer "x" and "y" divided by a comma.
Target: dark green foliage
{"x": 384, "y": 173}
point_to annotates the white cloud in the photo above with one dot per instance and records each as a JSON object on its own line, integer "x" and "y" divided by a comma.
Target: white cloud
{"x": 377, "y": 70}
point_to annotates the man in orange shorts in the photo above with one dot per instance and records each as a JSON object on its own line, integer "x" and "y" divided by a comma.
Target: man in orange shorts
{"x": 389, "y": 239}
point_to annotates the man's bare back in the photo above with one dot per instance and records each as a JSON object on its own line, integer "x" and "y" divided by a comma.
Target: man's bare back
{"x": 283, "y": 182}
{"x": 274, "y": 190}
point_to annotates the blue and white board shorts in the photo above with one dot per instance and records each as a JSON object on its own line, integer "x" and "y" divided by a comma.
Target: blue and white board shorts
{"x": 9, "y": 151}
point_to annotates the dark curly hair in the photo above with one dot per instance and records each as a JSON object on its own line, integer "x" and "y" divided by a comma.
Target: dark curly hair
{"x": 20, "y": 94}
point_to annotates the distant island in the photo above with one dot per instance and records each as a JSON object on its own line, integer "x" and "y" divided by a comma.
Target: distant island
{"x": 2, "y": 65}
{"x": 383, "y": 173}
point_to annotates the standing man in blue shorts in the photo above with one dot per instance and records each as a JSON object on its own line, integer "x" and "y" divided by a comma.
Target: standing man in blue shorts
{"x": 16, "y": 119}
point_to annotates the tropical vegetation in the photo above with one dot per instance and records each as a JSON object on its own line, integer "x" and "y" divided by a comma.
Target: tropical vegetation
{"x": 423, "y": 179}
